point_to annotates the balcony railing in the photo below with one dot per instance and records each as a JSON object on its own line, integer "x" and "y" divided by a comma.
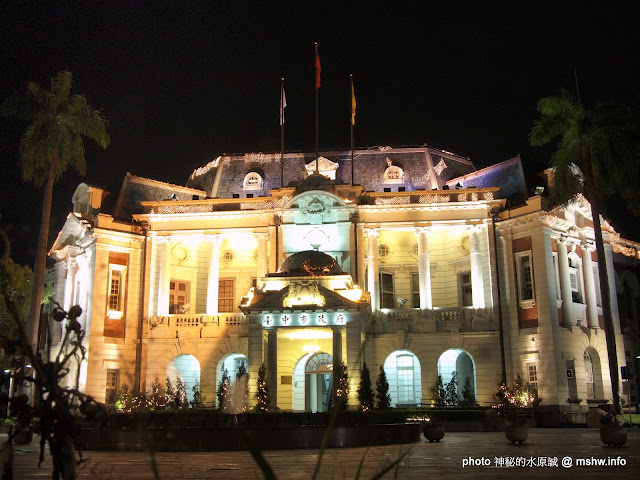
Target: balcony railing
{"x": 193, "y": 325}
{"x": 438, "y": 319}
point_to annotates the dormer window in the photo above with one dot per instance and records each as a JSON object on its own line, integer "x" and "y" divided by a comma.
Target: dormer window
{"x": 252, "y": 181}
{"x": 393, "y": 173}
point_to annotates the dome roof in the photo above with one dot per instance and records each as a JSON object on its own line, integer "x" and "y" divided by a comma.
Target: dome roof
{"x": 310, "y": 263}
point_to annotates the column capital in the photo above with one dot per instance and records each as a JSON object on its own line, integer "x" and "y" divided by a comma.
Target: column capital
{"x": 587, "y": 245}
{"x": 164, "y": 239}
{"x": 372, "y": 232}
{"x": 212, "y": 237}
{"x": 262, "y": 235}
{"x": 563, "y": 238}
{"x": 475, "y": 228}
{"x": 419, "y": 230}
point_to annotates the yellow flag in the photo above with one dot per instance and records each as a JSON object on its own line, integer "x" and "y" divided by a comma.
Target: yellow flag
{"x": 353, "y": 105}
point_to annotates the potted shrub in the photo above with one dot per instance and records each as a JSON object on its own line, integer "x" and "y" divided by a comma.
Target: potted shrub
{"x": 611, "y": 432}
{"x": 516, "y": 403}
{"x": 433, "y": 430}
{"x": 516, "y": 428}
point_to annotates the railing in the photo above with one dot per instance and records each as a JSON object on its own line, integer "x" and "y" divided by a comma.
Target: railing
{"x": 438, "y": 319}
{"x": 194, "y": 325}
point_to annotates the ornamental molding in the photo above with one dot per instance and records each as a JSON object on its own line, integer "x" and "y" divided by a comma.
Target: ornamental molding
{"x": 303, "y": 293}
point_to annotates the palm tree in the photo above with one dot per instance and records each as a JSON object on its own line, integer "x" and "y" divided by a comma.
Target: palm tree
{"x": 591, "y": 159}
{"x": 52, "y": 142}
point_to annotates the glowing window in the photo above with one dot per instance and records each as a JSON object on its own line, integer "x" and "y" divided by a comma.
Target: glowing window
{"x": 226, "y": 295}
{"x": 111, "y": 390}
{"x": 405, "y": 385}
{"x": 227, "y": 256}
{"x": 524, "y": 272}
{"x": 117, "y": 276}
{"x": 179, "y": 296}
{"x": 252, "y": 181}
{"x": 393, "y": 174}
{"x": 384, "y": 251}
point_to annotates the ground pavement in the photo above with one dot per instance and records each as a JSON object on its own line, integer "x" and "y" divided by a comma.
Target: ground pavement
{"x": 548, "y": 453}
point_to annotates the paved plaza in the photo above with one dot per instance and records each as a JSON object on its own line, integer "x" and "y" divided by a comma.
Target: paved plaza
{"x": 549, "y": 453}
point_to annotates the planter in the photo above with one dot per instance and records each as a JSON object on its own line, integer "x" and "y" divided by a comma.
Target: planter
{"x": 613, "y": 435}
{"x": 433, "y": 433}
{"x": 24, "y": 437}
{"x": 516, "y": 433}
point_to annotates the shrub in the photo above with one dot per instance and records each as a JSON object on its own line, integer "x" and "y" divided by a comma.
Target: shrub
{"x": 365, "y": 392}
{"x": 383, "y": 399}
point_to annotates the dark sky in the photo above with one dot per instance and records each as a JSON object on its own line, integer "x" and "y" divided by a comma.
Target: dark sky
{"x": 183, "y": 82}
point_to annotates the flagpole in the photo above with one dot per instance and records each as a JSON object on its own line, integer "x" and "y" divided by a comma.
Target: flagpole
{"x": 282, "y": 105}
{"x": 352, "y": 120}
{"x": 317, "y": 88}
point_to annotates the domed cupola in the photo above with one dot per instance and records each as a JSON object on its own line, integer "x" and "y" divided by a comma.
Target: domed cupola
{"x": 310, "y": 263}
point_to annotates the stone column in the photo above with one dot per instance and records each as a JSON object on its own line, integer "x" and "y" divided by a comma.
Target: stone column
{"x": 164, "y": 276}
{"x": 272, "y": 366}
{"x": 214, "y": 273}
{"x": 69, "y": 289}
{"x": 337, "y": 360}
{"x": 70, "y": 283}
{"x": 84, "y": 269}
{"x": 477, "y": 281}
{"x": 589, "y": 285}
{"x": 424, "y": 268}
{"x": 565, "y": 283}
{"x": 263, "y": 257}
{"x": 373, "y": 282}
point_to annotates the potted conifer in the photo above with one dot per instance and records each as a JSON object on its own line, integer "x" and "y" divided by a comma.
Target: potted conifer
{"x": 611, "y": 432}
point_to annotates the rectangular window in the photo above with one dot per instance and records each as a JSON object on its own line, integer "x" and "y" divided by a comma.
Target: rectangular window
{"x": 387, "y": 299}
{"x": 574, "y": 279}
{"x": 226, "y": 295}
{"x": 179, "y": 296}
{"x": 533, "y": 376}
{"x": 111, "y": 391}
{"x": 415, "y": 290}
{"x": 466, "y": 297}
{"x": 524, "y": 271}
{"x": 117, "y": 279}
{"x": 404, "y": 368}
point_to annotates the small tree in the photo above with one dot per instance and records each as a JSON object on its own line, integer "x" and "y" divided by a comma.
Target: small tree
{"x": 181, "y": 394}
{"x": 263, "y": 391}
{"x": 437, "y": 391}
{"x": 451, "y": 391}
{"x": 224, "y": 392}
{"x": 198, "y": 398}
{"x": 342, "y": 389}
{"x": 383, "y": 399}
{"x": 157, "y": 399}
{"x": 124, "y": 401}
{"x": 365, "y": 391}
{"x": 468, "y": 395}
{"x": 170, "y": 392}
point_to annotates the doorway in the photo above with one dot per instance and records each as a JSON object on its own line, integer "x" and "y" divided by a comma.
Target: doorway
{"x": 318, "y": 382}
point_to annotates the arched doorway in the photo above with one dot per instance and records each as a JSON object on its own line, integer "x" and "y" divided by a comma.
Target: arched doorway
{"x": 318, "y": 381}
{"x": 404, "y": 376}
{"x": 461, "y": 363}
{"x": 187, "y": 369}
{"x": 593, "y": 373}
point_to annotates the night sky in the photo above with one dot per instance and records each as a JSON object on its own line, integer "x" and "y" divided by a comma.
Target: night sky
{"x": 183, "y": 82}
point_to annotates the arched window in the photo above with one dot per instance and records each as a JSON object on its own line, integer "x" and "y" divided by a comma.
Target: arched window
{"x": 404, "y": 376}
{"x": 252, "y": 181}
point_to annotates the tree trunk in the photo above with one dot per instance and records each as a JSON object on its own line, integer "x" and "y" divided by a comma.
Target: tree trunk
{"x": 605, "y": 288}
{"x": 41, "y": 261}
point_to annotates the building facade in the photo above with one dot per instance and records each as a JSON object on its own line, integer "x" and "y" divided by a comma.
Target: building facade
{"x": 406, "y": 258}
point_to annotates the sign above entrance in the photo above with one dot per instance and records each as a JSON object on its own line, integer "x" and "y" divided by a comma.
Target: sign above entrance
{"x": 315, "y": 319}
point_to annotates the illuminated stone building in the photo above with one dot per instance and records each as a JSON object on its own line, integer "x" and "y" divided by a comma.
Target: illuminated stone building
{"x": 400, "y": 259}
